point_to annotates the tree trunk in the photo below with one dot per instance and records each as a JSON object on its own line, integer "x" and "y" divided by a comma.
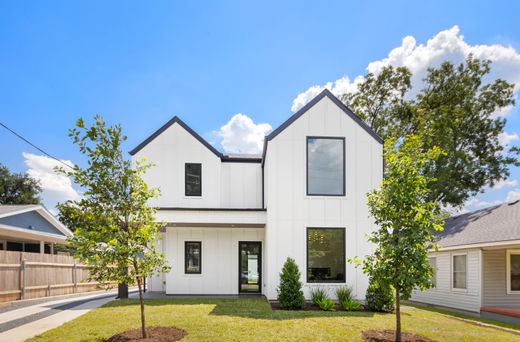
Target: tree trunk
{"x": 141, "y": 300}
{"x": 397, "y": 315}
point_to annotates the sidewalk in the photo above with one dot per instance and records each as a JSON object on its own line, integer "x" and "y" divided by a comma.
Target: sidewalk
{"x": 28, "y": 321}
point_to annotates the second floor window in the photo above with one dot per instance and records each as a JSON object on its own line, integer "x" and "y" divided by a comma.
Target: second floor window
{"x": 325, "y": 166}
{"x": 193, "y": 179}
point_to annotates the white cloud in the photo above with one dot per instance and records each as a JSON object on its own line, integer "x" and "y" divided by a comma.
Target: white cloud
{"x": 446, "y": 45}
{"x": 506, "y": 138}
{"x": 55, "y": 187}
{"x": 505, "y": 183}
{"x": 242, "y": 135}
{"x": 513, "y": 195}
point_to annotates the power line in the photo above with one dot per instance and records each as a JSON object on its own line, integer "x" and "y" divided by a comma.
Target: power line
{"x": 36, "y": 147}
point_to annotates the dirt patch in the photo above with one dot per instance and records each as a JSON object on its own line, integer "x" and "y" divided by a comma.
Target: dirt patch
{"x": 389, "y": 336}
{"x": 155, "y": 334}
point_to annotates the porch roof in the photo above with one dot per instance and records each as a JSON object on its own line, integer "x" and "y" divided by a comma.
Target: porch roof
{"x": 500, "y": 223}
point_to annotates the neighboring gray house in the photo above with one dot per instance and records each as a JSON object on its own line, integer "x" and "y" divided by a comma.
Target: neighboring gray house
{"x": 30, "y": 228}
{"x": 478, "y": 263}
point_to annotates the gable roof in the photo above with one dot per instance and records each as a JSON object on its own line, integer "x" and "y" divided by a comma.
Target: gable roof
{"x": 309, "y": 105}
{"x": 500, "y": 223}
{"x": 12, "y": 210}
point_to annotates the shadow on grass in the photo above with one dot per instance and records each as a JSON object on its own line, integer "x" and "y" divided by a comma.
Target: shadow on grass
{"x": 255, "y": 308}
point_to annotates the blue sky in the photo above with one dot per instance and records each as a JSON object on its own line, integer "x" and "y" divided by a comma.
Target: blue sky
{"x": 139, "y": 65}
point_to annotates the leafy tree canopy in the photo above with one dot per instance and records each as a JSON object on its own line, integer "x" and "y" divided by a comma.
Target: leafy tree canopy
{"x": 18, "y": 188}
{"x": 456, "y": 110}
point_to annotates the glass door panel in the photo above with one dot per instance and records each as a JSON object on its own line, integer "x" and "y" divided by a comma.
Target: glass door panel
{"x": 250, "y": 266}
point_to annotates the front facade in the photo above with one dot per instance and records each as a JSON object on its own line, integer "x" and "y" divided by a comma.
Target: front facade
{"x": 232, "y": 220}
{"x": 477, "y": 267}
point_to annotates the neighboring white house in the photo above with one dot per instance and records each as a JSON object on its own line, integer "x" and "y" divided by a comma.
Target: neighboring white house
{"x": 30, "y": 228}
{"x": 232, "y": 220}
{"x": 478, "y": 263}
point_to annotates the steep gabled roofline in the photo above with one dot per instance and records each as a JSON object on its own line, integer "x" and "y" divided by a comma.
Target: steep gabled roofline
{"x": 309, "y": 105}
{"x": 176, "y": 119}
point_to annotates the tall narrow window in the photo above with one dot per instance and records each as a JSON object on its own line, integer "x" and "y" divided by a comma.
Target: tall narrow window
{"x": 459, "y": 271}
{"x": 433, "y": 264}
{"x": 513, "y": 271}
{"x": 325, "y": 166}
{"x": 193, "y": 257}
{"x": 326, "y": 255}
{"x": 193, "y": 179}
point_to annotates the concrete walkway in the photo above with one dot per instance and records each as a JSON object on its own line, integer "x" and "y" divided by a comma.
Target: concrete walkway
{"x": 29, "y": 321}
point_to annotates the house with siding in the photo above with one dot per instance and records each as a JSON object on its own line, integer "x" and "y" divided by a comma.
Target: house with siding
{"x": 477, "y": 267}
{"x": 30, "y": 228}
{"x": 232, "y": 220}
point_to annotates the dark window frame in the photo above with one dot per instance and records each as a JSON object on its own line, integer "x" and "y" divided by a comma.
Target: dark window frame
{"x": 307, "y": 165}
{"x": 343, "y": 257}
{"x": 259, "y": 265}
{"x": 199, "y": 194}
{"x": 186, "y": 257}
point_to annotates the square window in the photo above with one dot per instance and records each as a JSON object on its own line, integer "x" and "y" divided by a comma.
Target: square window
{"x": 325, "y": 166}
{"x": 193, "y": 257}
{"x": 326, "y": 255}
{"x": 193, "y": 179}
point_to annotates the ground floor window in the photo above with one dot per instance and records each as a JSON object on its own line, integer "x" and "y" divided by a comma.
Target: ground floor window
{"x": 513, "y": 271}
{"x": 193, "y": 257}
{"x": 460, "y": 271}
{"x": 326, "y": 255}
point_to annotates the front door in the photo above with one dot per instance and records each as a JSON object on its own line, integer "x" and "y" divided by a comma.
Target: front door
{"x": 249, "y": 266}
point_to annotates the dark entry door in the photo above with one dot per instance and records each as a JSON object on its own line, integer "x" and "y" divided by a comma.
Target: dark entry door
{"x": 249, "y": 266}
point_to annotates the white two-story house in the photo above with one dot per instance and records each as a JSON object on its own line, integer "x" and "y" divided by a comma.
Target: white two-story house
{"x": 232, "y": 220}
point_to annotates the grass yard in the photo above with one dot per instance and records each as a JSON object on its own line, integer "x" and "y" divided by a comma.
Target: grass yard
{"x": 251, "y": 319}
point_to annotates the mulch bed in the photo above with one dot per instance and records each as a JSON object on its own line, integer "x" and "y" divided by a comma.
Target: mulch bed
{"x": 155, "y": 334}
{"x": 389, "y": 336}
{"x": 308, "y": 307}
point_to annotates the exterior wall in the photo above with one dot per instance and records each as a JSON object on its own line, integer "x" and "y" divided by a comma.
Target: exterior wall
{"x": 223, "y": 184}
{"x": 31, "y": 218}
{"x": 443, "y": 294}
{"x": 290, "y": 211}
{"x": 494, "y": 287}
{"x": 156, "y": 281}
{"x": 219, "y": 259}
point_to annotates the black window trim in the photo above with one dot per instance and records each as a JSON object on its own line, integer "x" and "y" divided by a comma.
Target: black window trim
{"x": 307, "y": 164}
{"x": 186, "y": 180}
{"x": 186, "y": 257}
{"x": 344, "y": 281}
{"x": 259, "y": 265}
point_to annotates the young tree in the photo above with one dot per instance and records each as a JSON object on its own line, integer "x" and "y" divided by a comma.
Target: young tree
{"x": 114, "y": 228}
{"x": 455, "y": 110}
{"x": 407, "y": 221}
{"x": 290, "y": 294}
{"x": 18, "y": 188}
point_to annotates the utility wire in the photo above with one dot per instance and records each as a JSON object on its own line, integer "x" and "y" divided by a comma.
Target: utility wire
{"x": 36, "y": 147}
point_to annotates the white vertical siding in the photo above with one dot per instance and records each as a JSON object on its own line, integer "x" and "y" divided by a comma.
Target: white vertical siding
{"x": 241, "y": 185}
{"x": 290, "y": 211}
{"x": 494, "y": 286}
{"x": 443, "y": 294}
{"x": 219, "y": 259}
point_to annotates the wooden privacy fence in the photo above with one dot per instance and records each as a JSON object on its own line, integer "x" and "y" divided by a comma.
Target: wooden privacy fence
{"x": 33, "y": 275}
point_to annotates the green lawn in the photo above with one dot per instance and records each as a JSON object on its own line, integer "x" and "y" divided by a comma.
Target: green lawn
{"x": 252, "y": 319}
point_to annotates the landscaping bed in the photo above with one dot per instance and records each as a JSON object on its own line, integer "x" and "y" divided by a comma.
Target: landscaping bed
{"x": 155, "y": 334}
{"x": 389, "y": 336}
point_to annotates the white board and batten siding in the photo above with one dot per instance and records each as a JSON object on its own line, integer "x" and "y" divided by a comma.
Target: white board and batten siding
{"x": 219, "y": 255}
{"x": 290, "y": 211}
{"x": 444, "y": 294}
{"x": 224, "y": 185}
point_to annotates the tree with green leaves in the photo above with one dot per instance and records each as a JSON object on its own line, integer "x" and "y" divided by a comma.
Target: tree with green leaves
{"x": 115, "y": 230}
{"x": 18, "y": 188}
{"x": 407, "y": 220}
{"x": 290, "y": 294}
{"x": 456, "y": 110}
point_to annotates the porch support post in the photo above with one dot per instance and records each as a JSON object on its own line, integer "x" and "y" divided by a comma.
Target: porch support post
{"x": 42, "y": 247}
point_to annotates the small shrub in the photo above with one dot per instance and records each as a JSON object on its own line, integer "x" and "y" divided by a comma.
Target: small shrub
{"x": 318, "y": 294}
{"x": 290, "y": 294}
{"x": 379, "y": 298}
{"x": 350, "y": 305}
{"x": 326, "y": 304}
{"x": 344, "y": 293}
